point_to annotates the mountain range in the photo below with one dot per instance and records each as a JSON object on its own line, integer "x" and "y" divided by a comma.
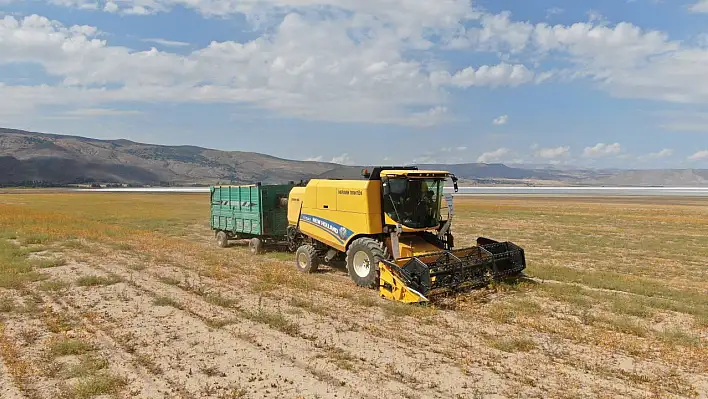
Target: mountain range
{"x": 62, "y": 159}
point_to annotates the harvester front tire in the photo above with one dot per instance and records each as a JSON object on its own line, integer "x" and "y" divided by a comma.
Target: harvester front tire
{"x": 363, "y": 258}
{"x": 222, "y": 240}
{"x": 306, "y": 259}
{"x": 256, "y": 245}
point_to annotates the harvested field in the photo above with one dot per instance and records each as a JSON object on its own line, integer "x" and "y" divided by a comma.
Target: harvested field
{"x": 127, "y": 295}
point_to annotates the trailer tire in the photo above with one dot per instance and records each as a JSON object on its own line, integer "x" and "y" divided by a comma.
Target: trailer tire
{"x": 306, "y": 259}
{"x": 222, "y": 240}
{"x": 255, "y": 245}
{"x": 363, "y": 256}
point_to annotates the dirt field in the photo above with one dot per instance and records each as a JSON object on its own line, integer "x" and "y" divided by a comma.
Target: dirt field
{"x": 127, "y": 295}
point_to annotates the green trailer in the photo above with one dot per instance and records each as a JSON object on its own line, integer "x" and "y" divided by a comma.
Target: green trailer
{"x": 256, "y": 212}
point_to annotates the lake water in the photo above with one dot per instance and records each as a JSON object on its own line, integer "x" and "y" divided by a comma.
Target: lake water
{"x": 505, "y": 191}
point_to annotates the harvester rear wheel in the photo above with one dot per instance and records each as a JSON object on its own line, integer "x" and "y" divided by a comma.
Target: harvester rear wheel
{"x": 256, "y": 245}
{"x": 306, "y": 259}
{"x": 222, "y": 240}
{"x": 363, "y": 258}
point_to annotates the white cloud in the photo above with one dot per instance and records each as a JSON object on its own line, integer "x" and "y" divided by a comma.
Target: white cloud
{"x": 623, "y": 59}
{"x": 493, "y": 156}
{"x": 451, "y": 149}
{"x": 596, "y": 16}
{"x": 699, "y": 156}
{"x": 343, "y": 159}
{"x": 554, "y": 11}
{"x": 307, "y": 68}
{"x": 80, "y": 4}
{"x": 685, "y": 121}
{"x": 666, "y": 152}
{"x": 348, "y": 60}
{"x": 498, "y": 75}
{"x": 165, "y": 42}
{"x": 502, "y": 120}
{"x": 423, "y": 13}
{"x": 102, "y": 112}
{"x": 602, "y": 150}
{"x": 701, "y": 6}
{"x": 552, "y": 153}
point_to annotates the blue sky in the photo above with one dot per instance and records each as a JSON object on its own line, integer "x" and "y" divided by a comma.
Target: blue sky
{"x": 610, "y": 84}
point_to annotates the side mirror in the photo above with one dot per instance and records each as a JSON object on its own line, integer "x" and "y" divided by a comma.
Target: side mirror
{"x": 386, "y": 189}
{"x": 454, "y": 182}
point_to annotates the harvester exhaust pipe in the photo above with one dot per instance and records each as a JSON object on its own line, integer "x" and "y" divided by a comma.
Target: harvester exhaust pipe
{"x": 395, "y": 248}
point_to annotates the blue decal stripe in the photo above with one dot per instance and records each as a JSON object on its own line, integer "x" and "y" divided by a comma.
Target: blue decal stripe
{"x": 323, "y": 229}
{"x": 338, "y": 231}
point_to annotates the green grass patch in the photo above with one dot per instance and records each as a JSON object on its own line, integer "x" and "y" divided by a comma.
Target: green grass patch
{"x": 8, "y": 235}
{"x": 219, "y": 323}
{"x": 89, "y": 364}
{"x": 631, "y": 305}
{"x": 35, "y": 238}
{"x": 13, "y": 259}
{"x": 48, "y": 263}
{"x": 309, "y": 305}
{"x": 15, "y": 268}
{"x": 69, "y": 346}
{"x": 281, "y": 256}
{"x": 7, "y": 304}
{"x": 122, "y": 246}
{"x": 166, "y": 301}
{"x": 400, "y": 309}
{"x": 169, "y": 280}
{"x": 54, "y": 285}
{"x": 677, "y": 336}
{"x": 36, "y": 248}
{"x": 74, "y": 244}
{"x": 275, "y": 320}
{"x": 618, "y": 282}
{"x": 274, "y": 276}
{"x": 572, "y": 294}
{"x": 101, "y": 384}
{"x": 219, "y": 299}
{"x": 93, "y": 280}
{"x": 58, "y": 322}
{"x": 511, "y": 344}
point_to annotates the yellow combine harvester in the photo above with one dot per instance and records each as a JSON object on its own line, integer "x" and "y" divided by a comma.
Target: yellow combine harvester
{"x": 393, "y": 229}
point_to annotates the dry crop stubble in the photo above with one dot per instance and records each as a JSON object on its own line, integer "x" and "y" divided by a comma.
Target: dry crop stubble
{"x": 624, "y": 314}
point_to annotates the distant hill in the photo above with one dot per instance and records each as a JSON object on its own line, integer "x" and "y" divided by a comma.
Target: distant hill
{"x": 662, "y": 177}
{"x": 66, "y": 159}
{"x": 59, "y": 159}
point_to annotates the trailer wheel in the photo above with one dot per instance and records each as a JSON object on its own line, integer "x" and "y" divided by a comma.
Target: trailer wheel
{"x": 363, "y": 258}
{"x": 306, "y": 259}
{"x": 256, "y": 245}
{"x": 222, "y": 240}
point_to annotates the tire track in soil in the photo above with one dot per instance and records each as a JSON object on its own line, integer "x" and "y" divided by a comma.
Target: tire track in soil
{"x": 509, "y": 375}
{"x": 8, "y": 387}
{"x": 121, "y": 358}
{"x": 402, "y": 360}
{"x": 201, "y": 346}
{"x": 42, "y": 385}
